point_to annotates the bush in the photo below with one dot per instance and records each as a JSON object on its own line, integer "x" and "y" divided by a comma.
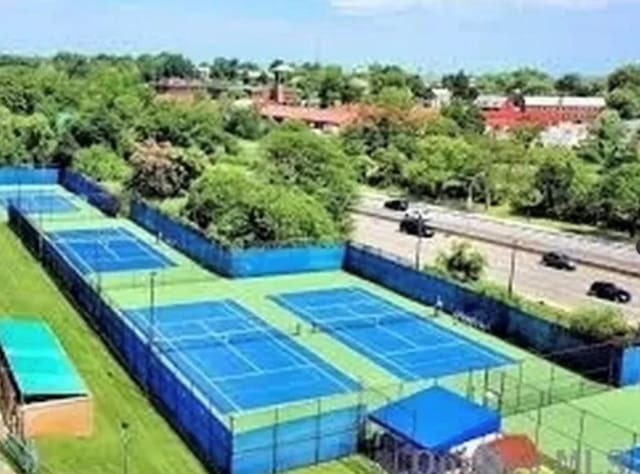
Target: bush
{"x": 462, "y": 262}
{"x": 600, "y": 322}
{"x": 101, "y": 163}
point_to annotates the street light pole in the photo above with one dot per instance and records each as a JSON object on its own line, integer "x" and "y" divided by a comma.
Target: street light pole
{"x": 419, "y": 243}
{"x": 512, "y": 268}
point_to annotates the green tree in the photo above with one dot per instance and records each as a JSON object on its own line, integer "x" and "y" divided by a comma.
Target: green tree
{"x": 460, "y": 86}
{"x": 161, "y": 170}
{"x": 315, "y": 164}
{"x": 624, "y": 90}
{"x": 387, "y": 167}
{"x": 607, "y": 143}
{"x": 466, "y": 115}
{"x": 238, "y": 208}
{"x": 37, "y": 139}
{"x": 553, "y": 180}
{"x": 101, "y": 163}
{"x": 394, "y": 98}
{"x": 462, "y": 262}
{"x": 245, "y": 123}
{"x": 439, "y": 160}
{"x": 620, "y": 195}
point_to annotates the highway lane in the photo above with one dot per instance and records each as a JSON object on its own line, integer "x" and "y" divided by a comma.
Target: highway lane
{"x": 559, "y": 288}
{"x": 598, "y": 251}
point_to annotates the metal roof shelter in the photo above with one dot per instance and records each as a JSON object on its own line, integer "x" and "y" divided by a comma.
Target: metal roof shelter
{"x": 437, "y": 420}
{"x": 39, "y": 365}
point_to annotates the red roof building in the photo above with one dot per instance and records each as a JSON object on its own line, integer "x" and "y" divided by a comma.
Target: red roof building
{"x": 504, "y": 113}
{"x": 329, "y": 120}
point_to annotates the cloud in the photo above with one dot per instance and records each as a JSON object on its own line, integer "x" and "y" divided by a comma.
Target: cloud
{"x": 378, "y": 6}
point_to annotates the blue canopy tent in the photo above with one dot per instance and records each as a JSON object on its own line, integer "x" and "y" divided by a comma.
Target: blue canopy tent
{"x": 437, "y": 420}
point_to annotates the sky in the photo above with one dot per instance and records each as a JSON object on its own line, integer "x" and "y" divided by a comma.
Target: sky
{"x": 430, "y": 36}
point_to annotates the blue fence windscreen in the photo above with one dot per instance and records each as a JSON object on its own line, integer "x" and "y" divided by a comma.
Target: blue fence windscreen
{"x": 93, "y": 192}
{"x": 26, "y": 175}
{"x": 239, "y": 263}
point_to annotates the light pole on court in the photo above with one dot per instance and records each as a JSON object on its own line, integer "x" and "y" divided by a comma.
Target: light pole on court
{"x": 125, "y": 439}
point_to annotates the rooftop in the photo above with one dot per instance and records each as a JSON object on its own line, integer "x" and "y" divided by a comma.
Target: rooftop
{"x": 39, "y": 364}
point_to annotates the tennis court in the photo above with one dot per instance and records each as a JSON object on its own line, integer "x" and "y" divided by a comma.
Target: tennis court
{"x": 629, "y": 460}
{"x": 235, "y": 358}
{"x": 108, "y": 249}
{"x": 402, "y": 342}
{"x": 36, "y": 201}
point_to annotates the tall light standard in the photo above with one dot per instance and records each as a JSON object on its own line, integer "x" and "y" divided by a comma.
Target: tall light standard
{"x": 512, "y": 267}
{"x": 125, "y": 439}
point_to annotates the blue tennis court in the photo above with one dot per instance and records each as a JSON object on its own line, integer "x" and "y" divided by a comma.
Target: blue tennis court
{"x": 629, "y": 460}
{"x": 112, "y": 249}
{"x": 235, "y": 358}
{"x": 36, "y": 201}
{"x": 405, "y": 344}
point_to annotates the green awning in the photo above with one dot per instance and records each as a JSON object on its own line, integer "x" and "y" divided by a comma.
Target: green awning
{"x": 39, "y": 364}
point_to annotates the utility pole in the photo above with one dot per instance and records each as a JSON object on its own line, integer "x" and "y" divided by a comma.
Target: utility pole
{"x": 512, "y": 268}
{"x": 419, "y": 242}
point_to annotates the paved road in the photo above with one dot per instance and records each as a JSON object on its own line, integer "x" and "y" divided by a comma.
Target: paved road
{"x": 597, "y": 251}
{"x": 555, "y": 287}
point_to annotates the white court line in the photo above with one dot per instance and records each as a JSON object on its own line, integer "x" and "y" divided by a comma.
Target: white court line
{"x": 210, "y": 381}
{"x": 318, "y": 367}
{"x": 365, "y": 350}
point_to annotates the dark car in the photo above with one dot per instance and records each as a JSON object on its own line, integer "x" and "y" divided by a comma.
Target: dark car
{"x": 397, "y": 204}
{"x": 609, "y": 291}
{"x": 414, "y": 225}
{"x": 558, "y": 260}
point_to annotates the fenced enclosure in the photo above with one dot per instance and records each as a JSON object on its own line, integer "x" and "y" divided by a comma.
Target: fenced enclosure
{"x": 283, "y": 437}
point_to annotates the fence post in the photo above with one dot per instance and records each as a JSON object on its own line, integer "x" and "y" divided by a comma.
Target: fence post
{"x": 519, "y": 386}
{"x": 485, "y": 389}
{"x": 552, "y": 378}
{"x": 583, "y": 416}
{"x": 501, "y": 397}
{"x": 539, "y": 418}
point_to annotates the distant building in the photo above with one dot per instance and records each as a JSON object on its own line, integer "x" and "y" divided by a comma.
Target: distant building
{"x": 326, "y": 120}
{"x": 441, "y": 97}
{"x": 501, "y": 112}
{"x": 565, "y": 134}
{"x": 177, "y": 88}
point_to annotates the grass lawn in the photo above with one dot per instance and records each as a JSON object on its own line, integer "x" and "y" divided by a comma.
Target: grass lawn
{"x": 27, "y": 291}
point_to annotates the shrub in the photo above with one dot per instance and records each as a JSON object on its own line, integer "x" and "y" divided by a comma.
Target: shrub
{"x": 462, "y": 262}
{"x": 600, "y": 322}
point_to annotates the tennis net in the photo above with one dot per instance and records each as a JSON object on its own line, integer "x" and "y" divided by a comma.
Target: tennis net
{"x": 148, "y": 280}
{"x": 341, "y": 324}
{"x": 231, "y": 338}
